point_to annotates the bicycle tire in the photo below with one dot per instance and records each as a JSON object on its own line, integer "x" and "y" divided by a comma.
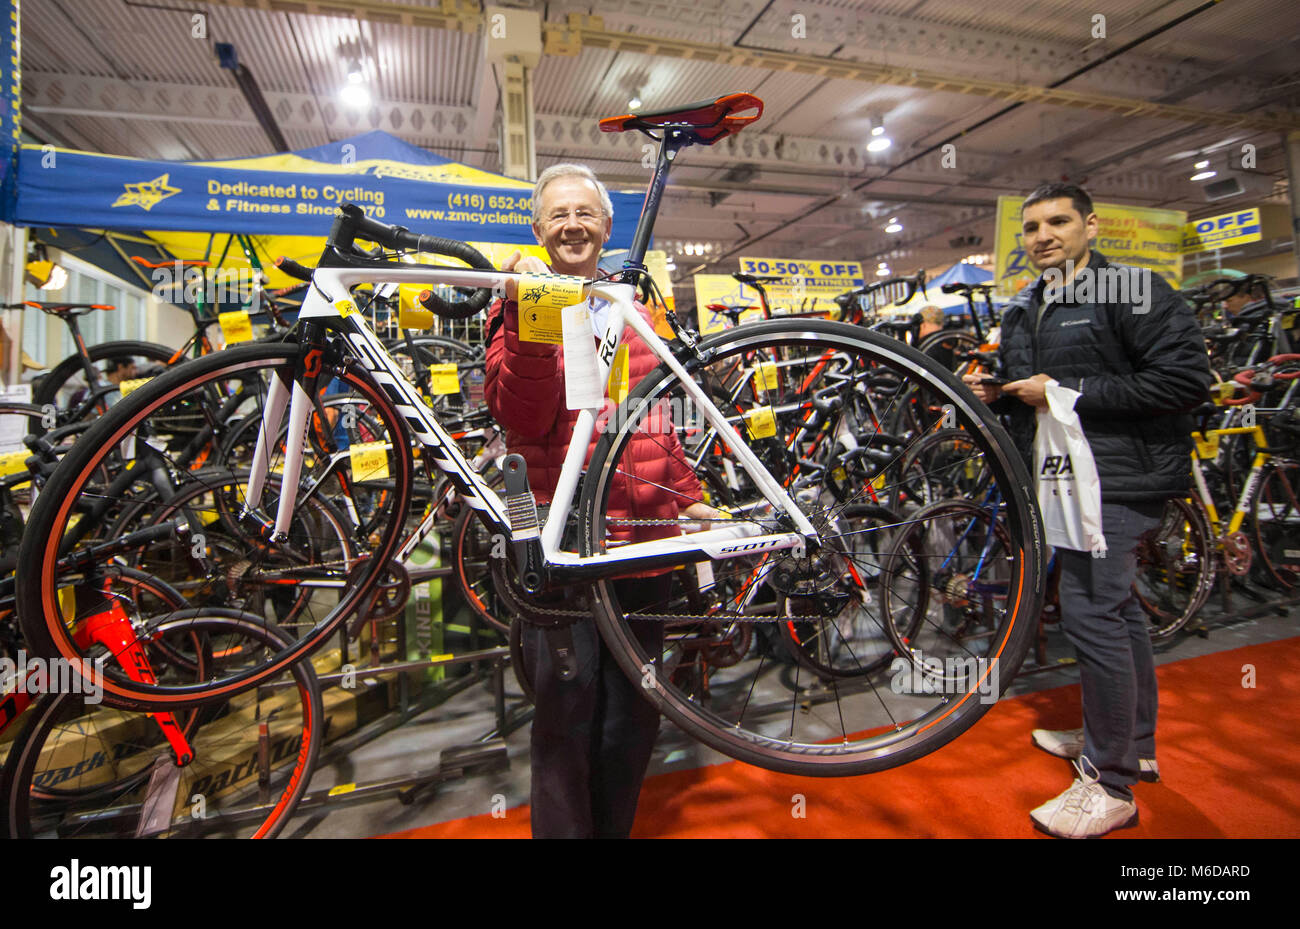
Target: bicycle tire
{"x": 37, "y": 598}
{"x": 1274, "y": 510}
{"x": 64, "y": 728}
{"x": 824, "y": 747}
{"x": 47, "y": 389}
{"x": 1179, "y": 554}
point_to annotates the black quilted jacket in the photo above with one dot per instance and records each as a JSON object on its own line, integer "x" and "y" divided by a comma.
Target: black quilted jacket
{"x": 1139, "y": 373}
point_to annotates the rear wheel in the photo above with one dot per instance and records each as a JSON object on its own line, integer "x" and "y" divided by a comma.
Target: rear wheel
{"x": 749, "y": 709}
{"x": 1275, "y": 513}
{"x": 1175, "y": 567}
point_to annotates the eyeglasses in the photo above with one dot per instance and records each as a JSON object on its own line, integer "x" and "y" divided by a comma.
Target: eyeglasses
{"x": 584, "y": 216}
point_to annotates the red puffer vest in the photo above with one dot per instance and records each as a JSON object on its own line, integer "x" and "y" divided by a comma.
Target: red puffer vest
{"x": 525, "y": 392}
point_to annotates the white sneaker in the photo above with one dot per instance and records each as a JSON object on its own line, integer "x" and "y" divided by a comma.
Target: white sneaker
{"x": 1068, "y": 743}
{"x": 1063, "y": 743}
{"x": 1084, "y": 811}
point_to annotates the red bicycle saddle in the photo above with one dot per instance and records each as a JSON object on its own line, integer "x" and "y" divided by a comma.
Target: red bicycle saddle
{"x": 708, "y": 120}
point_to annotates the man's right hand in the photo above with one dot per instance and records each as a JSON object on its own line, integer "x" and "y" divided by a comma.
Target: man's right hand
{"x": 521, "y": 264}
{"x": 986, "y": 393}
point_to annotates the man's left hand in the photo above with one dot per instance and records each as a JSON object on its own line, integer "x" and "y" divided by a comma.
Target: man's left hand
{"x": 1031, "y": 390}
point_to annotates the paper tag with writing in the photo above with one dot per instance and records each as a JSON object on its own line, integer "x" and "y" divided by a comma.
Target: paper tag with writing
{"x": 345, "y": 307}
{"x": 443, "y": 379}
{"x": 14, "y": 462}
{"x": 761, "y": 422}
{"x": 618, "y": 376}
{"x": 582, "y": 387}
{"x": 765, "y": 376}
{"x": 236, "y": 326}
{"x": 541, "y": 297}
{"x": 369, "y": 461}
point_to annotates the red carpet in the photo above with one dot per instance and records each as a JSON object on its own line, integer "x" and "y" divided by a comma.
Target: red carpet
{"x": 1229, "y": 756}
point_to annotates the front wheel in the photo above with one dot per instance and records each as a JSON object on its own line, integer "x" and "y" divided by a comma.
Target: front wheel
{"x": 752, "y": 709}
{"x": 182, "y": 409}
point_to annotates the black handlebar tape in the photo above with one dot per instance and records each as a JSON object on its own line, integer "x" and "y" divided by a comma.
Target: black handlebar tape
{"x": 293, "y": 269}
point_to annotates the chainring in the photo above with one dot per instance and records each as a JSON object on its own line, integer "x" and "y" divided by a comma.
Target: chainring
{"x": 1237, "y": 555}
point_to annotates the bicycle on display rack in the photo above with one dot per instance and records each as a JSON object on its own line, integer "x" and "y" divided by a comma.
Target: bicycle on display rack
{"x": 77, "y": 768}
{"x": 783, "y": 539}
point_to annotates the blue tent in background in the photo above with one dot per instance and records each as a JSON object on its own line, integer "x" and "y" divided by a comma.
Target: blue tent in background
{"x": 960, "y": 273}
{"x": 294, "y": 193}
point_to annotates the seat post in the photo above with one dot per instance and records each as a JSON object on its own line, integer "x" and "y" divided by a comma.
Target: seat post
{"x": 673, "y": 141}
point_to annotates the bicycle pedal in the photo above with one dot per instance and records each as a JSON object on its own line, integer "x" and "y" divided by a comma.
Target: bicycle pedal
{"x": 160, "y": 798}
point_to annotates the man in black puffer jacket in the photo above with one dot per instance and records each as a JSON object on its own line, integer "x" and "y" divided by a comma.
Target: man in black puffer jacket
{"x": 1130, "y": 346}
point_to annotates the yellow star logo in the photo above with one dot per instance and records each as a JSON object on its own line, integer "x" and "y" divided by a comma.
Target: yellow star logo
{"x": 147, "y": 194}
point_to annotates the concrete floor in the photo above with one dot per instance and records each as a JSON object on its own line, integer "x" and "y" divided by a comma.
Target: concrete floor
{"x": 414, "y": 746}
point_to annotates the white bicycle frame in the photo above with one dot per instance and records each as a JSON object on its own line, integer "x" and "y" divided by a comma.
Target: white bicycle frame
{"x": 331, "y": 289}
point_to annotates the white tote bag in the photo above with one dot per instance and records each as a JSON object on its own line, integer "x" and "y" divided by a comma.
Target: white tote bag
{"x": 1069, "y": 491}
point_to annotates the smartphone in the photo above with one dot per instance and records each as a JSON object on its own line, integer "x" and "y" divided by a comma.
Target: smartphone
{"x": 994, "y": 381}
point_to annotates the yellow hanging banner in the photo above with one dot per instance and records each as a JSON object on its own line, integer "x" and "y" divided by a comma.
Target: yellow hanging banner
{"x": 369, "y": 461}
{"x": 541, "y": 298}
{"x": 236, "y": 326}
{"x": 1131, "y": 235}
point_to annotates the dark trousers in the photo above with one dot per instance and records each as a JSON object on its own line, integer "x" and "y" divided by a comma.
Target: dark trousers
{"x": 1109, "y": 631}
{"x": 592, "y": 736}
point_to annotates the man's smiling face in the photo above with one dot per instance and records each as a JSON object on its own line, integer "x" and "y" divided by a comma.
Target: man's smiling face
{"x": 572, "y": 225}
{"x": 1054, "y": 233}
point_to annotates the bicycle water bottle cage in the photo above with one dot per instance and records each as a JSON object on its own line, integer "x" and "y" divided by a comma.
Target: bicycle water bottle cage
{"x": 702, "y": 123}
{"x": 525, "y": 528}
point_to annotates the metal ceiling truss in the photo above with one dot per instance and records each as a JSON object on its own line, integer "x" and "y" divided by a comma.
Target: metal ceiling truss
{"x": 582, "y": 32}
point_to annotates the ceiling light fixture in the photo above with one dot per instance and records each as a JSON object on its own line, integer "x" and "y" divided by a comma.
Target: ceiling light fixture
{"x": 894, "y": 226}
{"x": 634, "y": 104}
{"x": 879, "y": 144}
{"x": 1203, "y": 175}
{"x": 355, "y": 93}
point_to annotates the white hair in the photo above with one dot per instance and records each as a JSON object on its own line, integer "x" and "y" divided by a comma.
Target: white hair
{"x": 555, "y": 172}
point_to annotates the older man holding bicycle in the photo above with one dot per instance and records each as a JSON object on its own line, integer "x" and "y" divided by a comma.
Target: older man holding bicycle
{"x": 593, "y": 731}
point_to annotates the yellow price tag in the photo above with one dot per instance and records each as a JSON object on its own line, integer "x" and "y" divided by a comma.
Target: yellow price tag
{"x": 765, "y": 376}
{"x": 1207, "y": 447}
{"x": 1227, "y": 390}
{"x": 761, "y": 422}
{"x": 369, "y": 461}
{"x": 541, "y": 297}
{"x": 14, "y": 462}
{"x": 345, "y": 307}
{"x": 618, "y": 375}
{"x": 443, "y": 379}
{"x": 236, "y": 327}
{"x": 135, "y": 383}
{"x": 840, "y": 475}
{"x": 338, "y": 789}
